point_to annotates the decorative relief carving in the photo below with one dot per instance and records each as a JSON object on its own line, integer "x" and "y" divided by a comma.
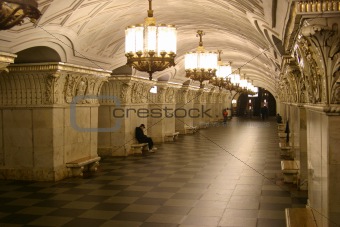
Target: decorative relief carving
{"x": 336, "y": 93}
{"x": 181, "y": 96}
{"x": 321, "y": 50}
{"x": 161, "y": 94}
{"x": 191, "y": 96}
{"x": 140, "y": 92}
{"x": 49, "y": 84}
{"x": 198, "y": 96}
{"x": 5, "y": 60}
{"x": 170, "y": 95}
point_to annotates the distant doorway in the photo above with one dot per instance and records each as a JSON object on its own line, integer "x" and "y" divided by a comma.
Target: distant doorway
{"x": 250, "y": 106}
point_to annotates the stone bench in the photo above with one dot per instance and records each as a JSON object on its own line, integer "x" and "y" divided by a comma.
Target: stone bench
{"x": 283, "y": 135}
{"x": 286, "y": 150}
{"x": 190, "y": 129}
{"x": 171, "y": 136}
{"x": 138, "y": 148}
{"x": 299, "y": 217}
{"x": 281, "y": 127}
{"x": 290, "y": 170}
{"x": 77, "y": 167}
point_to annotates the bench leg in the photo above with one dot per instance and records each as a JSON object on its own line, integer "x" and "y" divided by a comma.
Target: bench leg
{"x": 93, "y": 167}
{"x": 76, "y": 171}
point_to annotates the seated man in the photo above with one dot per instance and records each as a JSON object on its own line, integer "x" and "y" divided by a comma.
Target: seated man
{"x": 278, "y": 119}
{"x": 142, "y": 138}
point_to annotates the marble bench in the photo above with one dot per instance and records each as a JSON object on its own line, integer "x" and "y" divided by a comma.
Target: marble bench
{"x": 299, "y": 217}
{"x": 77, "y": 167}
{"x": 281, "y": 127}
{"x": 190, "y": 129}
{"x": 138, "y": 148}
{"x": 171, "y": 136}
{"x": 290, "y": 170}
{"x": 286, "y": 150}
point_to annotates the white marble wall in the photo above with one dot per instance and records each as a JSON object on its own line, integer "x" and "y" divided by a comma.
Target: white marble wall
{"x": 334, "y": 168}
{"x": 37, "y": 135}
{"x": 184, "y": 103}
{"x": 156, "y": 126}
{"x": 117, "y": 141}
{"x": 37, "y": 142}
{"x": 298, "y": 127}
{"x": 323, "y": 136}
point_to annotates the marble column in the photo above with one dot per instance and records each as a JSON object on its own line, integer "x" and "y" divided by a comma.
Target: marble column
{"x": 123, "y": 106}
{"x": 184, "y": 104}
{"x": 298, "y": 130}
{"x": 196, "y": 113}
{"x": 49, "y": 116}
{"x": 163, "y": 110}
{"x": 323, "y": 136}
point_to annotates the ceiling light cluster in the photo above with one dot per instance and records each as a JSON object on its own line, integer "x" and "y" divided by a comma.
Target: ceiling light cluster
{"x": 13, "y": 12}
{"x": 150, "y": 48}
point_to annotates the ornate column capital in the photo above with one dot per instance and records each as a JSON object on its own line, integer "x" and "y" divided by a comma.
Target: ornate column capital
{"x": 50, "y": 84}
{"x": 5, "y": 60}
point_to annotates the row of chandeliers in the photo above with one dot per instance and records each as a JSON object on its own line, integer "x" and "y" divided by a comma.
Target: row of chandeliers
{"x": 151, "y": 48}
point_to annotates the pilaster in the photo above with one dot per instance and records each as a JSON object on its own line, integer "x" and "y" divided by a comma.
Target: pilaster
{"x": 164, "y": 103}
{"x": 49, "y": 116}
{"x": 123, "y": 107}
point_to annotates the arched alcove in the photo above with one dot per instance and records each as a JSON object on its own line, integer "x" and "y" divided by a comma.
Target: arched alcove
{"x": 246, "y": 103}
{"x": 123, "y": 70}
{"x": 37, "y": 54}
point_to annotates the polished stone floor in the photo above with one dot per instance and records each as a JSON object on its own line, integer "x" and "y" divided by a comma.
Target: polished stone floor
{"x": 224, "y": 175}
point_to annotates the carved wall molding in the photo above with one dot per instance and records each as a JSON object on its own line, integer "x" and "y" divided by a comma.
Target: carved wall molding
{"x": 197, "y": 96}
{"x": 126, "y": 90}
{"x": 317, "y": 55}
{"x": 5, "y": 60}
{"x": 49, "y": 84}
{"x": 182, "y": 95}
{"x": 170, "y": 95}
{"x": 191, "y": 96}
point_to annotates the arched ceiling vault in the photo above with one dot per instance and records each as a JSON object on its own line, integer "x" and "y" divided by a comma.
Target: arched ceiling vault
{"x": 91, "y": 32}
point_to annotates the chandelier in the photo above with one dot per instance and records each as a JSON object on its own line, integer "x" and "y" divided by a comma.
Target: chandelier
{"x": 150, "y": 48}
{"x": 200, "y": 65}
{"x": 13, "y": 12}
{"x": 223, "y": 72}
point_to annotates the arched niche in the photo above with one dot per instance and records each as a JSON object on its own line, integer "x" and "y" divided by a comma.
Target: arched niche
{"x": 38, "y": 54}
{"x": 165, "y": 77}
{"x": 123, "y": 70}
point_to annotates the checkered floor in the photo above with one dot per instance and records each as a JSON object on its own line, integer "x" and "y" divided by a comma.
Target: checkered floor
{"x": 220, "y": 176}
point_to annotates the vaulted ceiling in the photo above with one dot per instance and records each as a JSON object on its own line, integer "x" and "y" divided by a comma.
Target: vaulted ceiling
{"x": 91, "y": 33}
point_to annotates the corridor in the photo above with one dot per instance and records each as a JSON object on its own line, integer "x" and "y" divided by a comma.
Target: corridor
{"x": 220, "y": 176}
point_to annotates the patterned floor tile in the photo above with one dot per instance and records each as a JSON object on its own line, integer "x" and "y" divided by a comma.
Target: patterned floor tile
{"x": 219, "y": 176}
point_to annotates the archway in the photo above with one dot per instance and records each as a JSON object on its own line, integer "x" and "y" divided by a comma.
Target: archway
{"x": 37, "y": 54}
{"x": 250, "y": 105}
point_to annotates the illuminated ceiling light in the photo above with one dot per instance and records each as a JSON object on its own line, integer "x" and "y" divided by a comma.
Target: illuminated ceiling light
{"x": 200, "y": 65}
{"x": 13, "y": 12}
{"x": 150, "y": 48}
{"x": 223, "y": 70}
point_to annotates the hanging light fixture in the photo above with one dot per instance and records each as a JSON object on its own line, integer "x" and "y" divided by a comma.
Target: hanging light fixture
{"x": 150, "y": 48}
{"x": 13, "y": 12}
{"x": 222, "y": 79}
{"x": 200, "y": 65}
{"x": 223, "y": 70}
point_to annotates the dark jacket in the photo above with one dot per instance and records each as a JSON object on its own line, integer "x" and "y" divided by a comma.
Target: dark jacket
{"x": 139, "y": 134}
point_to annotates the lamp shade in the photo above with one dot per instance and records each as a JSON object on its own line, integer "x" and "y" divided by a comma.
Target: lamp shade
{"x": 150, "y": 47}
